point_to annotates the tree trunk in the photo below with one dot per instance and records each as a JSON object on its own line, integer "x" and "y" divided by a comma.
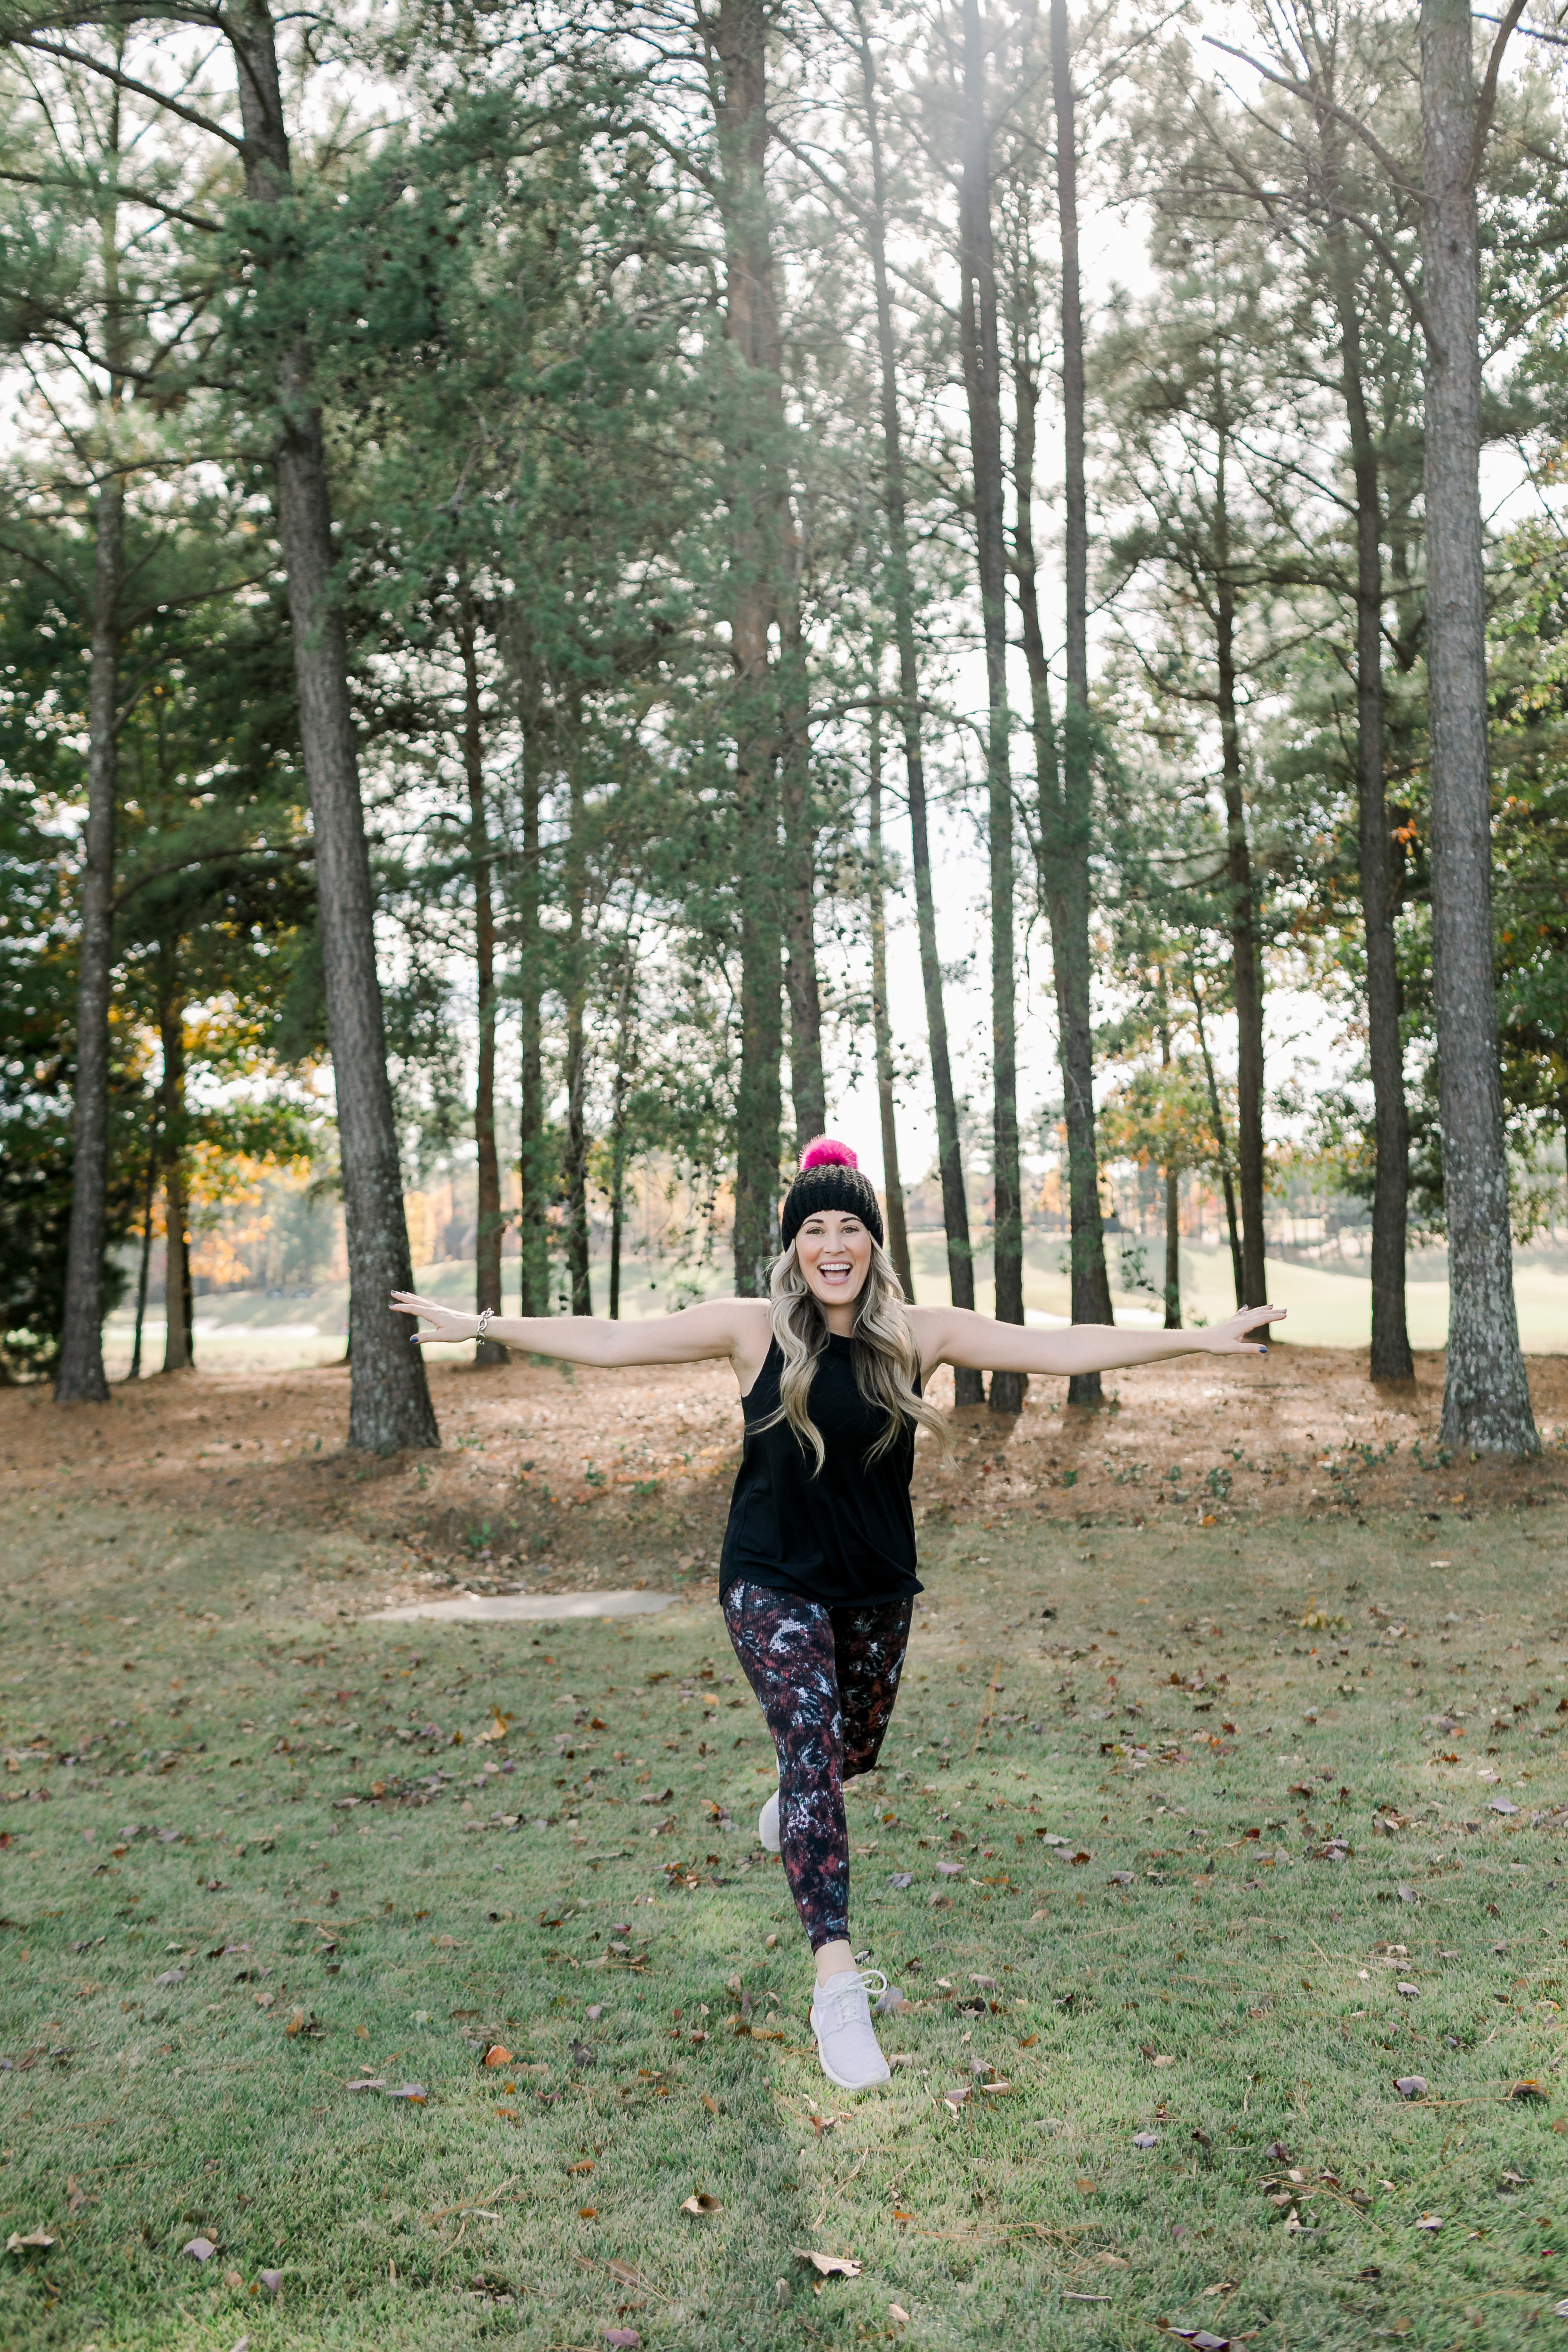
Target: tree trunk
{"x": 389, "y": 1403}
{"x": 623, "y": 1049}
{"x": 881, "y": 1024}
{"x": 1391, "y": 1357}
{"x": 149, "y": 1196}
{"x": 1486, "y": 1396}
{"x": 489, "y": 1224}
{"x": 981, "y": 371}
{"x": 1173, "y": 1199}
{"x": 577, "y": 1270}
{"x": 533, "y": 1170}
{"x": 739, "y": 32}
{"x": 808, "y": 1084}
{"x": 968, "y": 1386}
{"x": 81, "y": 1379}
{"x": 179, "y": 1341}
{"x": 1222, "y": 1146}
{"x": 1246, "y": 961}
{"x": 1065, "y": 786}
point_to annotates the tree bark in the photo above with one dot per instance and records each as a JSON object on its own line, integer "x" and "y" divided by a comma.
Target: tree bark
{"x": 1245, "y": 960}
{"x": 808, "y": 1084}
{"x": 881, "y": 1023}
{"x": 1173, "y": 1199}
{"x": 1486, "y": 1396}
{"x": 149, "y": 1196}
{"x": 81, "y": 1378}
{"x": 1066, "y": 783}
{"x": 577, "y": 1271}
{"x": 981, "y": 371}
{"x": 179, "y": 1340}
{"x": 968, "y": 1386}
{"x": 739, "y": 32}
{"x": 533, "y": 1171}
{"x": 389, "y": 1403}
{"x": 1222, "y": 1145}
{"x": 490, "y": 1224}
{"x": 624, "y": 1050}
{"x": 1391, "y": 1356}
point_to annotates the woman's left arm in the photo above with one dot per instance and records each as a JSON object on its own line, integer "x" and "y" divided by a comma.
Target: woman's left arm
{"x": 953, "y": 1334}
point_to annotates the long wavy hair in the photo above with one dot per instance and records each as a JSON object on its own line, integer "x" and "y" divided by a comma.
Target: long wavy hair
{"x": 883, "y": 1353}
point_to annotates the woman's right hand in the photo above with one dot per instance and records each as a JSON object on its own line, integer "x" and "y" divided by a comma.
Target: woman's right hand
{"x": 451, "y": 1322}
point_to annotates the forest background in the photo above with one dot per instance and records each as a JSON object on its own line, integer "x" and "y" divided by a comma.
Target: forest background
{"x": 582, "y": 593}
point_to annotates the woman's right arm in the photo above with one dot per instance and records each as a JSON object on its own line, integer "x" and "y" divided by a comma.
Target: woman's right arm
{"x": 736, "y": 1328}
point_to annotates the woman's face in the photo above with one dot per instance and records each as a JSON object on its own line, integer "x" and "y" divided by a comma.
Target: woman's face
{"x": 832, "y": 1249}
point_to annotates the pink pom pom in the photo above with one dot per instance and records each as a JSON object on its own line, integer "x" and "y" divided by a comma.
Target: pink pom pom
{"x": 826, "y": 1151}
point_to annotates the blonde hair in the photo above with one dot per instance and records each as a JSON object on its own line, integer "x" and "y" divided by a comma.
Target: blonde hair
{"x": 883, "y": 1353}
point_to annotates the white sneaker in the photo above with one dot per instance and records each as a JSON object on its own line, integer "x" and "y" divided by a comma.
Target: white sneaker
{"x": 841, "y": 2020}
{"x": 768, "y": 1819}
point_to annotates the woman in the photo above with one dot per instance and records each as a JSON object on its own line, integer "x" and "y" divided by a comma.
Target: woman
{"x": 818, "y": 1577}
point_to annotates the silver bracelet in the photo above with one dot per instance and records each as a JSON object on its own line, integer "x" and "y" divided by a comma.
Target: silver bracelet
{"x": 485, "y": 1315}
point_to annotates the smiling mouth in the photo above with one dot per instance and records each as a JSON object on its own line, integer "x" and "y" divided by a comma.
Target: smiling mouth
{"x": 835, "y": 1270}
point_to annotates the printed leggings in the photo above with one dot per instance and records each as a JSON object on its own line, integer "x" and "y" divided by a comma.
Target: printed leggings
{"x": 826, "y": 1679}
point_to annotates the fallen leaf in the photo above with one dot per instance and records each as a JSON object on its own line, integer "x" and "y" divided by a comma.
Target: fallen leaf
{"x": 949, "y": 1870}
{"x": 901, "y": 1878}
{"x": 1527, "y": 2089}
{"x": 233, "y": 2281}
{"x": 897, "y": 2315}
{"x": 413, "y": 2091}
{"x": 626, "y": 2339}
{"x": 1086, "y": 2188}
{"x": 1145, "y": 2140}
{"x": 496, "y": 2055}
{"x": 1411, "y": 2086}
{"x": 586, "y": 2166}
{"x": 701, "y": 2203}
{"x": 243, "y": 2344}
{"x": 201, "y": 2248}
{"x": 272, "y": 2281}
{"x": 1430, "y": 2221}
{"x": 1165, "y": 2059}
{"x": 370, "y": 2082}
{"x": 1198, "y": 2336}
{"x": 1502, "y": 1805}
{"x": 830, "y": 2265}
{"x": 35, "y": 2241}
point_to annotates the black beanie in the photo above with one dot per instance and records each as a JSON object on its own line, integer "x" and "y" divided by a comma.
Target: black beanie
{"x": 830, "y": 1178}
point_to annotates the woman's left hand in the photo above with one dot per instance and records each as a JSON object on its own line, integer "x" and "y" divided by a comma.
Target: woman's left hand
{"x": 1231, "y": 1339}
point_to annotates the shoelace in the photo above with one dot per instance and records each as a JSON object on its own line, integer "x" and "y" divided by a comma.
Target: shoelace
{"x": 845, "y": 1993}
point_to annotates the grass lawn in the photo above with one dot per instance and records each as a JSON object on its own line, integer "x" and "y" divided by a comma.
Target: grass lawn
{"x": 1220, "y": 1879}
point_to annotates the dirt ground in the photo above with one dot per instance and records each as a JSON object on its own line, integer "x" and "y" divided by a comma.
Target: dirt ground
{"x": 554, "y": 1479}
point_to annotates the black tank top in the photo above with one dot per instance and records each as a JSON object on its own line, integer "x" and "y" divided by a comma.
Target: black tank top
{"x": 844, "y": 1537}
